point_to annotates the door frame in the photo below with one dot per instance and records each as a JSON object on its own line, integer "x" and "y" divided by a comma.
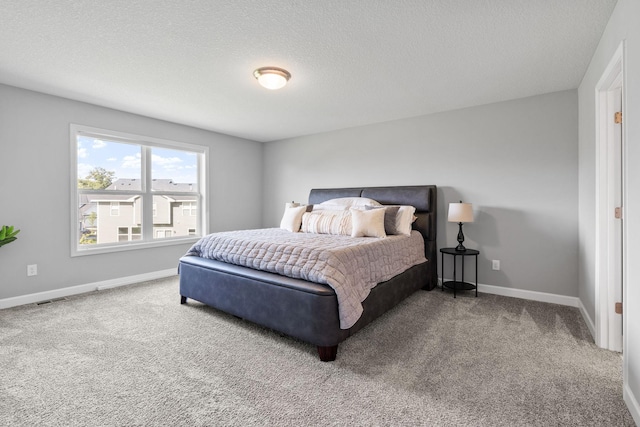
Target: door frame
{"x": 610, "y": 264}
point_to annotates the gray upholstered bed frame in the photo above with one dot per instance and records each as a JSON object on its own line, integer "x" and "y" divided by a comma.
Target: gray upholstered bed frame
{"x": 305, "y": 310}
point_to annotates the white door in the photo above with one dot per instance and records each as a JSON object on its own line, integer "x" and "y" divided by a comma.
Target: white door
{"x": 609, "y": 248}
{"x": 617, "y": 222}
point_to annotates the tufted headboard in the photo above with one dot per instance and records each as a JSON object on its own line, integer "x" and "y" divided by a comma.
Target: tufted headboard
{"x": 423, "y": 197}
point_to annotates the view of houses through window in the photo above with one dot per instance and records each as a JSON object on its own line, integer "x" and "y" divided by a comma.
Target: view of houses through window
{"x": 132, "y": 192}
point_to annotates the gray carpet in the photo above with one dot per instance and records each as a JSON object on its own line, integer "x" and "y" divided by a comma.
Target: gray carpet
{"x": 134, "y": 356}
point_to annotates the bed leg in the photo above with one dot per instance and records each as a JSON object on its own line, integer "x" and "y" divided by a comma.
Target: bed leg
{"x": 328, "y": 354}
{"x": 183, "y": 300}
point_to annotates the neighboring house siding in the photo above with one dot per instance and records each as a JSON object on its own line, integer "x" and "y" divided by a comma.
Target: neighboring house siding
{"x": 184, "y": 217}
{"x": 108, "y": 224}
{"x": 163, "y": 211}
{"x": 172, "y": 218}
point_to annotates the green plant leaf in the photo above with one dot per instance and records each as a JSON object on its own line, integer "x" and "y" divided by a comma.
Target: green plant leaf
{"x": 5, "y": 241}
{"x": 7, "y": 234}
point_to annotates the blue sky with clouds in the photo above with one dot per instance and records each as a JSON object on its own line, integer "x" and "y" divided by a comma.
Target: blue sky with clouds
{"x": 124, "y": 160}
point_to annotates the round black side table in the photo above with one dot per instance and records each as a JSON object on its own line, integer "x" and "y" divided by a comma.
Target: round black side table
{"x": 455, "y": 284}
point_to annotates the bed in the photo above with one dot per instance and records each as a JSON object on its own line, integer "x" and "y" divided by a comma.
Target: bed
{"x": 307, "y": 310}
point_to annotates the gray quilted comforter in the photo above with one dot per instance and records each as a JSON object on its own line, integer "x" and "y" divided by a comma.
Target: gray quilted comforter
{"x": 352, "y": 266}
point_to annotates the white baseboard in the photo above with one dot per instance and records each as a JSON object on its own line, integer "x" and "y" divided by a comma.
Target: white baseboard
{"x": 632, "y": 404}
{"x": 530, "y": 295}
{"x": 89, "y": 287}
{"x": 587, "y": 319}
{"x": 542, "y": 297}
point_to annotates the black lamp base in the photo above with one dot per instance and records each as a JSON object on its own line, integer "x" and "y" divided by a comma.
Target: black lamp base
{"x": 460, "y": 247}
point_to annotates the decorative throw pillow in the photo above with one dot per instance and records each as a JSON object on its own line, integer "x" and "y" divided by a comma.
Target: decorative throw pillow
{"x": 292, "y": 218}
{"x": 367, "y": 223}
{"x": 390, "y": 214}
{"x": 404, "y": 219}
{"x": 327, "y": 222}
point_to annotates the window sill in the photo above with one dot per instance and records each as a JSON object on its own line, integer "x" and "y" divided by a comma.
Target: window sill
{"x": 111, "y": 248}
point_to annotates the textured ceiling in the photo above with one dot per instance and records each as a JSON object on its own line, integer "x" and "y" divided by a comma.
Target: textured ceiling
{"x": 353, "y": 62}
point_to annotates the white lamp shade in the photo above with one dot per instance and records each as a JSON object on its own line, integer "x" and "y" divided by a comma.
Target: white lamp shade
{"x": 272, "y": 81}
{"x": 460, "y": 212}
{"x": 272, "y": 77}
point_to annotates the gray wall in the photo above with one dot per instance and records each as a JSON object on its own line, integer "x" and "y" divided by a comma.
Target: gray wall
{"x": 34, "y": 189}
{"x": 623, "y": 25}
{"x": 516, "y": 161}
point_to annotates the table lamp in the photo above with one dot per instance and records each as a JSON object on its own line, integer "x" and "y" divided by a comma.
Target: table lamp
{"x": 460, "y": 213}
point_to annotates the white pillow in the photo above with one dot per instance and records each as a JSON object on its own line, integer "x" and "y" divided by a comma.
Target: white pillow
{"x": 390, "y": 216}
{"x": 292, "y": 218}
{"x": 367, "y": 223}
{"x": 327, "y": 207}
{"x": 404, "y": 220}
{"x": 351, "y": 202}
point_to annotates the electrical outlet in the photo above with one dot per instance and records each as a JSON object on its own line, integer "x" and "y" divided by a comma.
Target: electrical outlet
{"x": 495, "y": 264}
{"x": 32, "y": 270}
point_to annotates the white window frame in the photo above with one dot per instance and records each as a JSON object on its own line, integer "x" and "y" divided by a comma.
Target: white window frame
{"x": 147, "y": 143}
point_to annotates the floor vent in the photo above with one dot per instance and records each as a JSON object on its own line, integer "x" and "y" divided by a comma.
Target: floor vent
{"x": 49, "y": 301}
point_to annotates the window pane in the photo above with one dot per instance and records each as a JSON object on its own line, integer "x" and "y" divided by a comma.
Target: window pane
{"x": 104, "y": 164}
{"x": 98, "y": 225}
{"x": 88, "y": 219}
{"x": 174, "y": 170}
{"x": 176, "y": 215}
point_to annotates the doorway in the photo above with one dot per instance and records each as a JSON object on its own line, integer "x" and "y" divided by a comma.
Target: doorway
{"x": 610, "y": 204}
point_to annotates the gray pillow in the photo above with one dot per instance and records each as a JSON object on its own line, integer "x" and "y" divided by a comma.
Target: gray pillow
{"x": 390, "y": 213}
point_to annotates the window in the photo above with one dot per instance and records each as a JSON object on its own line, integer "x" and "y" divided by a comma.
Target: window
{"x": 123, "y": 234}
{"x": 136, "y": 233}
{"x": 189, "y": 209}
{"x": 131, "y": 191}
{"x": 127, "y": 234}
{"x": 161, "y": 234}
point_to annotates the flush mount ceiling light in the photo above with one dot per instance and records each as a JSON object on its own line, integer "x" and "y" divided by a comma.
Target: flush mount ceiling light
{"x": 272, "y": 77}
